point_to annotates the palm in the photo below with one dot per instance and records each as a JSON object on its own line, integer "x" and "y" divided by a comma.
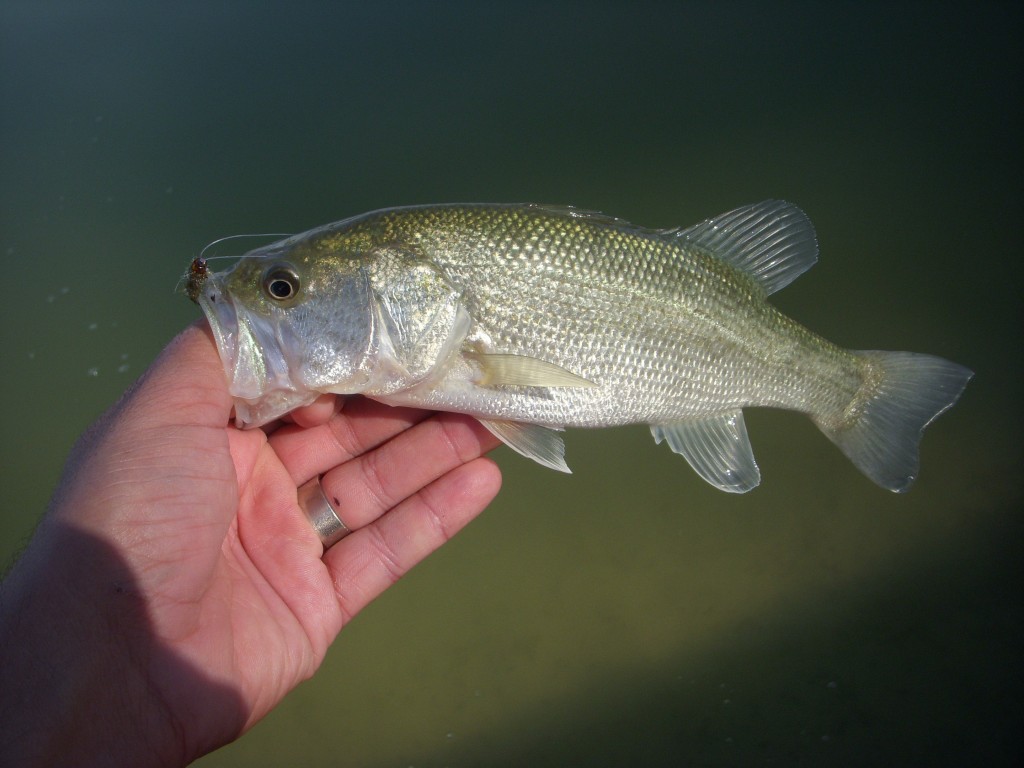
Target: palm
{"x": 236, "y": 585}
{"x": 258, "y": 591}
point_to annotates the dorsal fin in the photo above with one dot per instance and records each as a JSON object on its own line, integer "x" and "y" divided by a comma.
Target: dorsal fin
{"x": 572, "y": 212}
{"x": 772, "y": 241}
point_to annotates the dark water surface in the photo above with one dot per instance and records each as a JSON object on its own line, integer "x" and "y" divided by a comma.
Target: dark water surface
{"x": 628, "y": 614}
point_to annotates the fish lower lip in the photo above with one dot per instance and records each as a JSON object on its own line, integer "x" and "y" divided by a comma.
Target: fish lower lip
{"x": 223, "y": 321}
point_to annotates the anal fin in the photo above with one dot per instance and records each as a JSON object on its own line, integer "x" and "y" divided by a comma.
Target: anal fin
{"x": 542, "y": 444}
{"x": 716, "y": 447}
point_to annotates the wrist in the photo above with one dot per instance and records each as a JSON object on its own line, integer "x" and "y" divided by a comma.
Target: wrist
{"x": 75, "y": 647}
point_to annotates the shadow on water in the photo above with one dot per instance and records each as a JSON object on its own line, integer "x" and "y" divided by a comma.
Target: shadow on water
{"x": 921, "y": 669}
{"x": 109, "y": 601}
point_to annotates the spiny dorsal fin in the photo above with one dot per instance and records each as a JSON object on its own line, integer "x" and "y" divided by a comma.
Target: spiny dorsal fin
{"x": 772, "y": 241}
{"x": 591, "y": 217}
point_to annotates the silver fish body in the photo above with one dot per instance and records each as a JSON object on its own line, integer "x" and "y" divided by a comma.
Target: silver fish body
{"x": 536, "y": 318}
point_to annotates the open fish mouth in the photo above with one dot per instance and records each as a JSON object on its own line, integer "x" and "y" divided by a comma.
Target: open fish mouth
{"x": 223, "y": 319}
{"x": 254, "y": 361}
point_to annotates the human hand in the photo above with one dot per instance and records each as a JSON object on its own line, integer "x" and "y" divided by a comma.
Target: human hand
{"x": 175, "y": 592}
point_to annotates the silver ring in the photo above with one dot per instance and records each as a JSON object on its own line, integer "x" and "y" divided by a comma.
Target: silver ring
{"x": 321, "y": 514}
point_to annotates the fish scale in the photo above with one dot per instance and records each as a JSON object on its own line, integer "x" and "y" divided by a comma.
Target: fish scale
{"x": 695, "y": 309}
{"x": 534, "y": 318}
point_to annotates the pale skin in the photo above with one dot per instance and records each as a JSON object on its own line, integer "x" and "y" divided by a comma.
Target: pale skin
{"x": 174, "y": 592}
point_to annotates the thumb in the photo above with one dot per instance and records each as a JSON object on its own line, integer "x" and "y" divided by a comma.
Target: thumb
{"x": 182, "y": 390}
{"x": 185, "y": 385}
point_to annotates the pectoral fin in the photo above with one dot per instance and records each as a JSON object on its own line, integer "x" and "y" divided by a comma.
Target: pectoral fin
{"x": 522, "y": 371}
{"x": 542, "y": 444}
{"x": 717, "y": 448}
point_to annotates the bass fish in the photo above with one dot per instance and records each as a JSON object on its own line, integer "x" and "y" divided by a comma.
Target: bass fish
{"x": 534, "y": 318}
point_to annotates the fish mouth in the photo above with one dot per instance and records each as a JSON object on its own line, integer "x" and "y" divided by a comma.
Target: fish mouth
{"x": 253, "y": 357}
{"x": 223, "y": 320}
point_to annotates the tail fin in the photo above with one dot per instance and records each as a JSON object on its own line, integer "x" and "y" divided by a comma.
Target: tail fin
{"x": 912, "y": 391}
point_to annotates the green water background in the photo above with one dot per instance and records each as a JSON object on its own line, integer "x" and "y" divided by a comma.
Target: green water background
{"x": 628, "y": 614}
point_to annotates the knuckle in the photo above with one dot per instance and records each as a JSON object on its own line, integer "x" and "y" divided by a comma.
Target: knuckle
{"x": 450, "y": 435}
{"x": 344, "y": 436}
{"x": 373, "y": 480}
{"x": 386, "y": 556}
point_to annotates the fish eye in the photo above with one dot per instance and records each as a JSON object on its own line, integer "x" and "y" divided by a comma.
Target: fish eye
{"x": 281, "y": 283}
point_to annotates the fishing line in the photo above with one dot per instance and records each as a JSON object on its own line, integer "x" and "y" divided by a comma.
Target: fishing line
{"x": 202, "y": 253}
{"x": 208, "y": 246}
